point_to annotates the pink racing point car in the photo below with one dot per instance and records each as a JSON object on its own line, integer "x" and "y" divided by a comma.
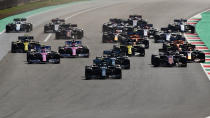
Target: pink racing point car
{"x": 43, "y": 55}
{"x": 73, "y": 49}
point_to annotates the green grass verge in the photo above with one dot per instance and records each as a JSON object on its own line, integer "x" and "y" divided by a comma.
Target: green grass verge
{"x": 31, "y": 6}
{"x": 203, "y": 28}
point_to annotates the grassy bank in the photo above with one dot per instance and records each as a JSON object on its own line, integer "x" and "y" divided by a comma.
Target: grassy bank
{"x": 31, "y": 6}
{"x": 203, "y": 28}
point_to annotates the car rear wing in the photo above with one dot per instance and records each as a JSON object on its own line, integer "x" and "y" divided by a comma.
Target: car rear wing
{"x": 107, "y": 52}
{"x": 116, "y": 20}
{"x": 67, "y": 26}
{"x": 180, "y": 20}
{"x": 25, "y": 38}
{"x": 58, "y": 20}
{"x": 44, "y": 47}
{"x": 20, "y": 19}
{"x": 134, "y": 16}
{"x": 71, "y": 42}
{"x": 164, "y": 29}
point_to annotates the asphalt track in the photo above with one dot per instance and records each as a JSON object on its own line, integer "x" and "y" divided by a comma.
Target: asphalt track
{"x": 59, "y": 91}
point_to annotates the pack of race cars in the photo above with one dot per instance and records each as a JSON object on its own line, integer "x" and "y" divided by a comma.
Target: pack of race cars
{"x": 38, "y": 53}
{"x": 176, "y": 51}
{"x": 130, "y": 38}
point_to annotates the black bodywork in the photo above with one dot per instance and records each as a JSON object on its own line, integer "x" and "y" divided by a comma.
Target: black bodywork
{"x": 53, "y": 26}
{"x": 67, "y": 31}
{"x": 169, "y": 59}
{"x": 24, "y": 44}
{"x": 103, "y": 71}
{"x": 43, "y": 55}
{"x": 73, "y": 49}
{"x": 123, "y": 61}
{"x": 19, "y": 25}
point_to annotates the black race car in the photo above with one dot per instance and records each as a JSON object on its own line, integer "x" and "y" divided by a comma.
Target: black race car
{"x": 194, "y": 56}
{"x": 103, "y": 71}
{"x": 136, "y": 20}
{"x": 43, "y": 55}
{"x": 24, "y": 44}
{"x": 127, "y": 50}
{"x": 169, "y": 59}
{"x": 73, "y": 49}
{"x": 19, "y": 25}
{"x": 53, "y": 26}
{"x": 69, "y": 31}
{"x": 180, "y": 25}
{"x": 161, "y": 37}
{"x": 123, "y": 61}
{"x": 110, "y": 37}
{"x": 134, "y": 39}
{"x": 187, "y": 49}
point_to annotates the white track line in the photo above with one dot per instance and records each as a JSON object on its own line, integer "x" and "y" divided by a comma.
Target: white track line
{"x": 47, "y": 38}
{"x": 73, "y": 15}
{"x": 2, "y": 32}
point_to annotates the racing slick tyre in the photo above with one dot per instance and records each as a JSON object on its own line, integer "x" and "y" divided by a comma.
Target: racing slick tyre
{"x": 155, "y": 61}
{"x": 118, "y": 74}
{"x": 202, "y": 57}
{"x": 57, "y": 61}
{"x": 12, "y": 48}
{"x": 88, "y": 71}
{"x": 183, "y": 61}
{"x": 142, "y": 54}
{"x": 7, "y": 29}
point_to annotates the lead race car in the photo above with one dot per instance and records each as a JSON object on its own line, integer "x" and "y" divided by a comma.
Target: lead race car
{"x": 69, "y": 31}
{"x": 43, "y": 55}
{"x": 24, "y": 44}
{"x": 19, "y": 25}
{"x": 73, "y": 49}
{"x": 103, "y": 71}
{"x": 123, "y": 61}
{"x": 53, "y": 26}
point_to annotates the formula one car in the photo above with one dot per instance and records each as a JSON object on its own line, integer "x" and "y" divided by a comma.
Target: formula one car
{"x": 161, "y": 37}
{"x": 134, "y": 39}
{"x": 127, "y": 50}
{"x": 113, "y": 27}
{"x": 109, "y": 37}
{"x": 103, "y": 71}
{"x": 136, "y": 20}
{"x": 180, "y": 25}
{"x": 24, "y": 44}
{"x": 187, "y": 49}
{"x": 43, "y": 55}
{"x": 19, "y": 25}
{"x": 73, "y": 49}
{"x": 123, "y": 61}
{"x": 169, "y": 59}
{"x": 195, "y": 56}
{"x": 53, "y": 26}
{"x": 67, "y": 31}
